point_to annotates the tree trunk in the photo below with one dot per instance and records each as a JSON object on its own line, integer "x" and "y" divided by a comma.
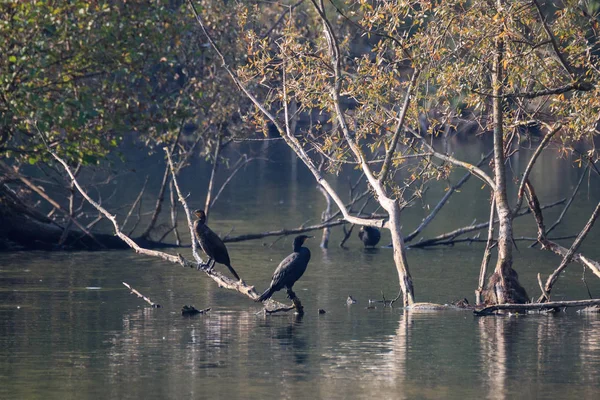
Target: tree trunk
{"x": 404, "y": 277}
{"x": 503, "y": 286}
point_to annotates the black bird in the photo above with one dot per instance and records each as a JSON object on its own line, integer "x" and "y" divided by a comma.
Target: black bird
{"x": 370, "y": 236}
{"x": 211, "y": 244}
{"x": 290, "y": 269}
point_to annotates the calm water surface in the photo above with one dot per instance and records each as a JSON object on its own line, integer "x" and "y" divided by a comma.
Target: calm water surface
{"x": 69, "y": 329}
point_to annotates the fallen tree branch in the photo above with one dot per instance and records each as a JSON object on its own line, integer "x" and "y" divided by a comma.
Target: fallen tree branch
{"x": 537, "y": 306}
{"x": 138, "y": 294}
{"x": 220, "y": 279}
{"x": 296, "y": 305}
{"x": 282, "y": 232}
{"x": 54, "y": 204}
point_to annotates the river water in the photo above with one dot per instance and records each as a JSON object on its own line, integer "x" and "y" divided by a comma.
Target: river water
{"x": 69, "y": 329}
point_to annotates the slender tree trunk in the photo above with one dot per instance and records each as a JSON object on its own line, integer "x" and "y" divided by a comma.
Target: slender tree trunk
{"x": 503, "y": 286}
{"x": 504, "y": 264}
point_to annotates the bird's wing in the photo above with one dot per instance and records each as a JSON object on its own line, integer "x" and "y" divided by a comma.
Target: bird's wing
{"x": 211, "y": 244}
{"x": 283, "y": 270}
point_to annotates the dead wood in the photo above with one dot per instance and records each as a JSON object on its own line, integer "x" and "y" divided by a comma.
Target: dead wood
{"x": 220, "y": 279}
{"x": 138, "y": 294}
{"x": 158, "y": 206}
{"x": 554, "y": 305}
{"x": 296, "y": 305}
{"x": 54, "y": 204}
{"x": 282, "y": 232}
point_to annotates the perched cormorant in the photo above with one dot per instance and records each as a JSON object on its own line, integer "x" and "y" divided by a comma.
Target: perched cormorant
{"x": 370, "y": 236}
{"x": 290, "y": 269}
{"x": 211, "y": 244}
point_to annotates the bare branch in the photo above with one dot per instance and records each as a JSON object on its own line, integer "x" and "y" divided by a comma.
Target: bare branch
{"x": 231, "y": 175}
{"x": 564, "y": 211}
{"x": 443, "y": 201}
{"x": 401, "y": 116}
{"x": 580, "y": 86}
{"x": 548, "y": 244}
{"x": 469, "y": 167}
{"x": 532, "y": 161}
{"x": 282, "y": 232}
{"x": 135, "y": 203}
{"x": 569, "y": 256}
{"x": 138, "y": 294}
{"x": 213, "y": 172}
{"x": 471, "y": 228}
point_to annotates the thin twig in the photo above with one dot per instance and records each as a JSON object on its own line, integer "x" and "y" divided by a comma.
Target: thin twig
{"x": 138, "y": 294}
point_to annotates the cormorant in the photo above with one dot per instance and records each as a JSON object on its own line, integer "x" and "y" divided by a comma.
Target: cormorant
{"x": 290, "y": 269}
{"x": 370, "y": 236}
{"x": 211, "y": 244}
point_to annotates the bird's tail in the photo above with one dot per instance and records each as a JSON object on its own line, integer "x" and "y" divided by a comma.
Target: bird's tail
{"x": 233, "y": 272}
{"x": 266, "y": 295}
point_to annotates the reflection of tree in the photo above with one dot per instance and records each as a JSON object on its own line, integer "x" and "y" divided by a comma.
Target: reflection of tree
{"x": 381, "y": 361}
{"x": 589, "y": 355}
{"x": 494, "y": 354}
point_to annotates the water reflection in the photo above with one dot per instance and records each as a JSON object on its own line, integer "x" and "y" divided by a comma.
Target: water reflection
{"x": 72, "y": 342}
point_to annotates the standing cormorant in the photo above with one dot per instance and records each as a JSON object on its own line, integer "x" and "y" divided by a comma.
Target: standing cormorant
{"x": 370, "y": 236}
{"x": 290, "y": 269}
{"x": 211, "y": 244}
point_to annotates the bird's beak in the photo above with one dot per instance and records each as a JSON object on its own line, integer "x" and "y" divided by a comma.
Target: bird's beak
{"x": 309, "y": 237}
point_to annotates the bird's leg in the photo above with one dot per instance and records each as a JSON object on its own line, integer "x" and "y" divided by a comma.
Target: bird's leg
{"x": 205, "y": 266}
{"x": 210, "y": 264}
{"x": 295, "y": 301}
{"x": 290, "y": 294}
